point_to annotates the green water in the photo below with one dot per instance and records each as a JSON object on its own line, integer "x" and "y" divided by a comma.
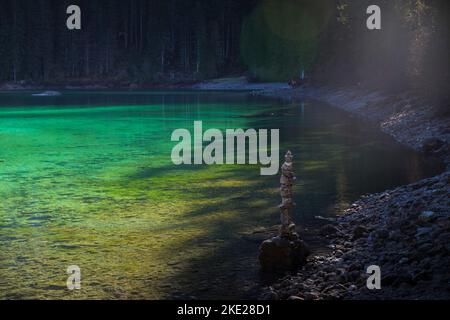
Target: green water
{"x": 86, "y": 179}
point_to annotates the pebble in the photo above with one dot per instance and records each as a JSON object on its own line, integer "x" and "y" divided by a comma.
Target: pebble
{"x": 426, "y": 216}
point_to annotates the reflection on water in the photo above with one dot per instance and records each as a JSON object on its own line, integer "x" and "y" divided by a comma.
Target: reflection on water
{"x": 86, "y": 179}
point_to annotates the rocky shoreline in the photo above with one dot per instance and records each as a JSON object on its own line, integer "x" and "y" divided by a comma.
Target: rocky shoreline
{"x": 409, "y": 119}
{"x": 404, "y": 231}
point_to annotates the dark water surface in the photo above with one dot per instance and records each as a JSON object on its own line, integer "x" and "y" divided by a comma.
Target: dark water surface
{"x": 86, "y": 179}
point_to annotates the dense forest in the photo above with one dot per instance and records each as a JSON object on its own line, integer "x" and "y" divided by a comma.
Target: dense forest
{"x": 140, "y": 39}
{"x": 182, "y": 40}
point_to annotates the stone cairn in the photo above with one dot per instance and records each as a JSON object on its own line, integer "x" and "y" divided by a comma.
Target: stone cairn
{"x": 287, "y": 179}
{"x": 286, "y": 251}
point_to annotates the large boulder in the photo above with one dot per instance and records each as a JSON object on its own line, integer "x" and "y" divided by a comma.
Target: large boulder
{"x": 280, "y": 254}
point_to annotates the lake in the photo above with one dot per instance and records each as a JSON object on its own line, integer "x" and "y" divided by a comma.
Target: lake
{"x": 86, "y": 179}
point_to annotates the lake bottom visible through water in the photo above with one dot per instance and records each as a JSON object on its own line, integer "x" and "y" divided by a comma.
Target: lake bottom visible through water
{"x": 86, "y": 179}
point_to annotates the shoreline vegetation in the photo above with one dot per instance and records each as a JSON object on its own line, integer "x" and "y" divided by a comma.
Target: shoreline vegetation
{"x": 405, "y": 230}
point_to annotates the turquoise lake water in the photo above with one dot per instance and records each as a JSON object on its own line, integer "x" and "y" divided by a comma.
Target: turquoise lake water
{"x": 86, "y": 179}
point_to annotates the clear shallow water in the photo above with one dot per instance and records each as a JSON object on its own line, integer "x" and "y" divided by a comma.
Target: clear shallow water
{"x": 86, "y": 179}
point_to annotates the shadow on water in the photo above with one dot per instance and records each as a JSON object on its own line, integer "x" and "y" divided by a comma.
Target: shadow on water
{"x": 221, "y": 263}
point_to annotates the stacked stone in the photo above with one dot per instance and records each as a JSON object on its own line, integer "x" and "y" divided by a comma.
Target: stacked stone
{"x": 286, "y": 190}
{"x": 285, "y": 251}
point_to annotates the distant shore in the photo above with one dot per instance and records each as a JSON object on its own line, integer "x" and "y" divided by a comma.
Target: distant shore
{"x": 93, "y": 85}
{"x": 238, "y": 83}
